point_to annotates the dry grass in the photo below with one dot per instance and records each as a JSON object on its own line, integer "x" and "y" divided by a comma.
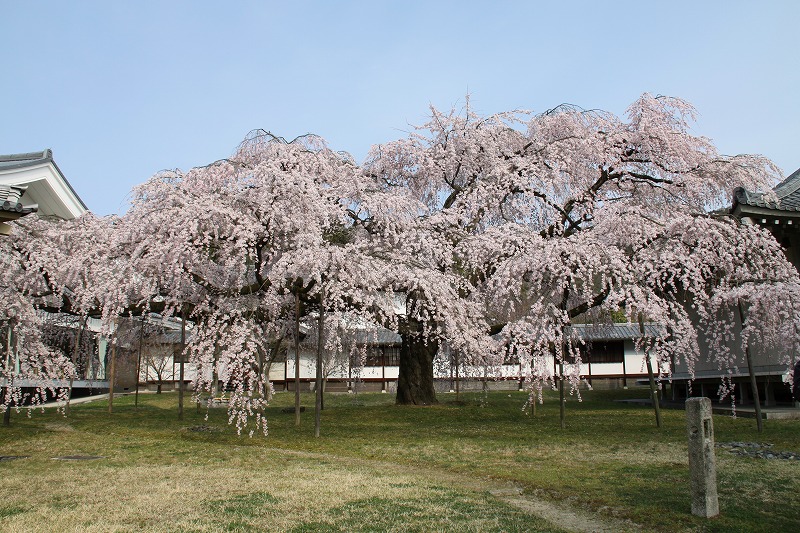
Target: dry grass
{"x": 261, "y": 490}
{"x": 166, "y": 477}
{"x": 380, "y": 467}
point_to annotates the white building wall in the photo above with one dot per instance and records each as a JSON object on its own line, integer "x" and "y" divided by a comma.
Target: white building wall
{"x": 284, "y": 371}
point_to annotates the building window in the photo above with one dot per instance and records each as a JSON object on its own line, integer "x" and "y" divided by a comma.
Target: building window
{"x": 511, "y": 356}
{"x": 383, "y": 356}
{"x": 603, "y": 352}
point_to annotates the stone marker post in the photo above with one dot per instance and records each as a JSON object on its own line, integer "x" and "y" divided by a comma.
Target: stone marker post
{"x": 702, "y": 464}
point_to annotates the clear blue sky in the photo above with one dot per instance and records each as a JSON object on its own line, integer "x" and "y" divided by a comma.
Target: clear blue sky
{"x": 121, "y": 90}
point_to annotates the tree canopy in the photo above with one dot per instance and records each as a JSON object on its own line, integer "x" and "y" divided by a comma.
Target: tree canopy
{"x": 482, "y": 233}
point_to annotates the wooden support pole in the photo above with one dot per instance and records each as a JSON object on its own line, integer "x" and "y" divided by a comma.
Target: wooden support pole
{"x": 458, "y": 379}
{"x": 753, "y": 383}
{"x": 318, "y": 381}
{"x": 112, "y": 372}
{"x": 452, "y": 382}
{"x": 624, "y": 371}
{"x": 589, "y": 364}
{"x": 562, "y": 399}
{"x": 74, "y": 358}
{"x": 653, "y": 389}
{"x": 9, "y": 374}
{"x": 297, "y": 359}
{"x": 139, "y": 362}
{"x": 180, "y": 365}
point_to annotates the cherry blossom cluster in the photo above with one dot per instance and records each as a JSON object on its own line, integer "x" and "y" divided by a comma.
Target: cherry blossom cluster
{"x": 486, "y": 235}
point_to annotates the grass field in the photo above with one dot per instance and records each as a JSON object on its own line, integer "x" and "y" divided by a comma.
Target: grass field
{"x": 476, "y": 465}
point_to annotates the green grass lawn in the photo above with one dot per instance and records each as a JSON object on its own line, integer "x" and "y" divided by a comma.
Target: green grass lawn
{"x": 382, "y": 467}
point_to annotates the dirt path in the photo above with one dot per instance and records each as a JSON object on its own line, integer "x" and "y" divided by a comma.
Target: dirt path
{"x": 562, "y": 516}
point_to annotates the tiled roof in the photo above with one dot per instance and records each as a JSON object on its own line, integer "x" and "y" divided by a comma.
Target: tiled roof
{"x": 25, "y": 160}
{"x": 31, "y": 159}
{"x": 10, "y": 196}
{"x": 377, "y": 336}
{"x": 607, "y": 332}
{"x": 787, "y": 192}
{"x": 172, "y": 337}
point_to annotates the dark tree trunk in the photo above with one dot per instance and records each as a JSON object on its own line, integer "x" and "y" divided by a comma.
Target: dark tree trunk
{"x": 415, "y": 382}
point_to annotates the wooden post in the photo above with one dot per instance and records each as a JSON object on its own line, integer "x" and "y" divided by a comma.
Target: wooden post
{"x": 216, "y": 393}
{"x": 74, "y": 358}
{"x": 485, "y": 378}
{"x": 9, "y": 375}
{"x": 650, "y": 377}
{"x": 558, "y": 370}
{"x": 112, "y": 371}
{"x": 324, "y": 386}
{"x": 350, "y": 373}
{"x": 139, "y": 362}
{"x": 769, "y": 393}
{"x": 589, "y": 364}
{"x": 672, "y": 388}
{"x": 564, "y": 302}
{"x": 624, "y": 371}
{"x": 297, "y": 358}
{"x": 753, "y": 383}
{"x": 452, "y": 383}
{"x": 318, "y": 381}
{"x": 274, "y": 350}
{"x": 286, "y": 372}
{"x": 383, "y": 369}
{"x": 562, "y": 400}
{"x": 458, "y": 379}
{"x": 181, "y": 366}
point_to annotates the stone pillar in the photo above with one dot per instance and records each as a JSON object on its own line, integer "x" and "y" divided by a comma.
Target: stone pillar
{"x": 702, "y": 463}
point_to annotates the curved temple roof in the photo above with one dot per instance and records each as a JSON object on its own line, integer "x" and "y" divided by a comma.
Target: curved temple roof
{"x": 787, "y": 197}
{"x": 11, "y": 207}
{"x": 43, "y": 182}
